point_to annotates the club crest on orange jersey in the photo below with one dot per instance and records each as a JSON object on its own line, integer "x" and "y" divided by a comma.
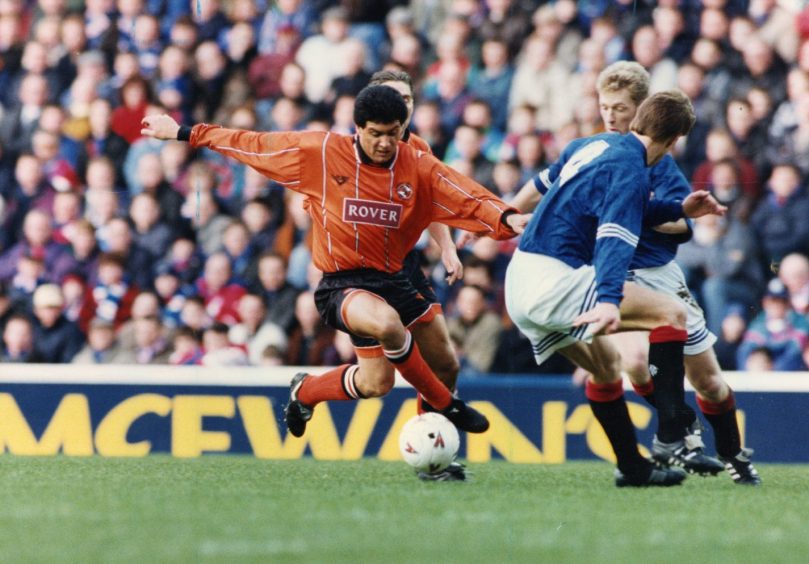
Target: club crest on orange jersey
{"x": 340, "y": 180}
{"x": 404, "y": 191}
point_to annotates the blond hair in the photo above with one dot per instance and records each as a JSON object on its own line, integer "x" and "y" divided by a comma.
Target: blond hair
{"x": 625, "y": 75}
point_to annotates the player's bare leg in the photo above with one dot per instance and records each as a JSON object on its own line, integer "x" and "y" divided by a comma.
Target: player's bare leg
{"x": 436, "y": 348}
{"x": 434, "y": 342}
{"x": 718, "y": 404}
{"x": 604, "y": 390}
{"x": 367, "y": 315}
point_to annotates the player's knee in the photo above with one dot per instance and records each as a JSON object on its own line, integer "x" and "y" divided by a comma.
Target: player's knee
{"x": 676, "y": 316}
{"x": 711, "y": 387}
{"x": 377, "y": 387}
{"x": 387, "y": 325}
{"x": 636, "y": 364}
{"x": 607, "y": 367}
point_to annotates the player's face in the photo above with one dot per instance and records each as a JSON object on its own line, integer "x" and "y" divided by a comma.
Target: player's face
{"x": 407, "y": 93}
{"x": 379, "y": 140}
{"x": 617, "y": 110}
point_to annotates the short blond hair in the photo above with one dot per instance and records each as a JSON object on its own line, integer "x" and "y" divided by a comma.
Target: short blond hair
{"x": 625, "y": 75}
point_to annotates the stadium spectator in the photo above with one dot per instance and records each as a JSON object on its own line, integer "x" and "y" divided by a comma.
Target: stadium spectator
{"x": 218, "y": 350}
{"x": 254, "y": 333}
{"x": 646, "y": 50}
{"x": 794, "y": 274}
{"x": 492, "y": 80}
{"x": 186, "y": 347}
{"x": 476, "y": 330}
{"x": 278, "y": 294}
{"x": 215, "y": 286}
{"x": 321, "y": 55}
{"x": 38, "y": 243}
{"x": 112, "y": 296}
{"x": 21, "y": 118}
{"x": 540, "y": 81}
{"x": 57, "y": 338}
{"x": 151, "y": 345}
{"x": 779, "y": 220}
{"x": 778, "y": 329}
{"x": 18, "y": 341}
{"x": 102, "y": 346}
{"x": 722, "y": 264}
{"x": 310, "y": 338}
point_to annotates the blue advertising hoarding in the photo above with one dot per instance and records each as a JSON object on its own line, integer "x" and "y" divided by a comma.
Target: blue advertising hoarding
{"x": 135, "y": 411}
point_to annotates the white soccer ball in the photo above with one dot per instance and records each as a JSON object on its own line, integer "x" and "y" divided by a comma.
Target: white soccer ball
{"x": 429, "y": 442}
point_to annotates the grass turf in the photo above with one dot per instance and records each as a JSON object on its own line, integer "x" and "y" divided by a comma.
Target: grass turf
{"x": 228, "y": 509}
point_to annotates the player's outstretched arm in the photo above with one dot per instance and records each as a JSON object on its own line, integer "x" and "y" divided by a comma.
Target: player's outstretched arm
{"x": 678, "y": 227}
{"x": 701, "y": 203}
{"x": 160, "y": 126}
{"x": 527, "y": 198}
{"x": 449, "y": 254}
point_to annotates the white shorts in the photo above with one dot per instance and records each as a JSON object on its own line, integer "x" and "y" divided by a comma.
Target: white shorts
{"x": 670, "y": 280}
{"x": 544, "y": 296}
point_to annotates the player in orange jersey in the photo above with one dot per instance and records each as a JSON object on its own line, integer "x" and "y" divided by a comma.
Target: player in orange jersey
{"x": 431, "y": 333}
{"x": 370, "y": 197}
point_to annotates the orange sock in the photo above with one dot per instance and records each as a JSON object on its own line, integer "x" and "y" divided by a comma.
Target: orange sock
{"x": 411, "y": 365}
{"x": 336, "y": 384}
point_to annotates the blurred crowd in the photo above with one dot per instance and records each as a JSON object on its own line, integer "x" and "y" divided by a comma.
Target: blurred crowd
{"x": 116, "y": 248}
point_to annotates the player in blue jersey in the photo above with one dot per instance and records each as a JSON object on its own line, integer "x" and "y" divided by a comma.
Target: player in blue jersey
{"x": 622, "y": 87}
{"x": 565, "y": 285}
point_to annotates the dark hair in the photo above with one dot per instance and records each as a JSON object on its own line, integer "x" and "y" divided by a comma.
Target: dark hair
{"x": 218, "y": 327}
{"x": 380, "y": 104}
{"x": 664, "y": 116}
{"x": 383, "y": 76}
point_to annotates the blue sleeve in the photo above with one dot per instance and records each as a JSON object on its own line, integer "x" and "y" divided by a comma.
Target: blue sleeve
{"x": 663, "y": 211}
{"x": 618, "y": 233}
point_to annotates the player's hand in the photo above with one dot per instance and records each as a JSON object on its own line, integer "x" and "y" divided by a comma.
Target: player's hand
{"x": 452, "y": 264}
{"x": 160, "y": 127}
{"x": 701, "y": 203}
{"x": 465, "y": 238}
{"x": 518, "y": 221}
{"x": 604, "y": 318}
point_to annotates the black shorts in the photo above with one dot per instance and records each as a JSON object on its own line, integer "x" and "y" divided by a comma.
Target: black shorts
{"x": 412, "y": 269}
{"x": 395, "y": 289}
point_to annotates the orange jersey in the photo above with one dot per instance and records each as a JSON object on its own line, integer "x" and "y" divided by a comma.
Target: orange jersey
{"x": 363, "y": 216}
{"x": 418, "y": 143}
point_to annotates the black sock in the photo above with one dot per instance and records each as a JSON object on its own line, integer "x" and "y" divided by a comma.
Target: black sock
{"x": 666, "y": 366}
{"x": 647, "y": 392}
{"x": 722, "y": 417}
{"x": 609, "y": 408}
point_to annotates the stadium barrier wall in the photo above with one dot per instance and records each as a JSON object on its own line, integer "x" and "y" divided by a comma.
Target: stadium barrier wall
{"x": 135, "y": 411}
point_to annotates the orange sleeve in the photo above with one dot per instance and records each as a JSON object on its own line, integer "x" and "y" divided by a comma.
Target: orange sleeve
{"x": 275, "y": 155}
{"x": 461, "y": 202}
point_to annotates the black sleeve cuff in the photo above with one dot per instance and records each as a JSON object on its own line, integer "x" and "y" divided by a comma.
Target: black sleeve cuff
{"x": 505, "y": 216}
{"x": 184, "y": 134}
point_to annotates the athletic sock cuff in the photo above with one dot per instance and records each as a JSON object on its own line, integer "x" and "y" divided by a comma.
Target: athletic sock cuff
{"x": 401, "y": 355}
{"x": 604, "y": 392}
{"x": 644, "y": 389}
{"x": 667, "y": 334}
{"x": 717, "y": 408}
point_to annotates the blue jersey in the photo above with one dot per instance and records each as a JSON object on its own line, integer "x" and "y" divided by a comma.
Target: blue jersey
{"x": 594, "y": 211}
{"x": 667, "y": 183}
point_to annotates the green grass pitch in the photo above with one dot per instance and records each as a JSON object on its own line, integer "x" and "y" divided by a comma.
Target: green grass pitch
{"x": 239, "y": 509}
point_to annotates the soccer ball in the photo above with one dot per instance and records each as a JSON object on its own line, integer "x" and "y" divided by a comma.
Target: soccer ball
{"x": 429, "y": 442}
